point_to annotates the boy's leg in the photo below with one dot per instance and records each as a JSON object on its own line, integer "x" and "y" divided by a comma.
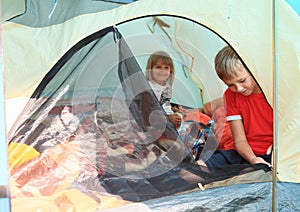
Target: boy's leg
{"x": 267, "y": 158}
{"x": 223, "y": 158}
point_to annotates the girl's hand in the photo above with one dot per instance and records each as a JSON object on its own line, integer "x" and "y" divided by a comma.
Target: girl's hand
{"x": 175, "y": 118}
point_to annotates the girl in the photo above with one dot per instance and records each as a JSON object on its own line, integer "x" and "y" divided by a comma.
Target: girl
{"x": 160, "y": 74}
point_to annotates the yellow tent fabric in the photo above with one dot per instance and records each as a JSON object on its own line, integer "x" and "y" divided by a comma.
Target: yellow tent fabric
{"x": 66, "y": 200}
{"x": 238, "y": 37}
{"x": 247, "y": 26}
{"x": 16, "y": 156}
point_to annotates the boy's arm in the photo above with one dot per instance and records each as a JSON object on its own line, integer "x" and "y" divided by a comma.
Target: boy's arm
{"x": 241, "y": 143}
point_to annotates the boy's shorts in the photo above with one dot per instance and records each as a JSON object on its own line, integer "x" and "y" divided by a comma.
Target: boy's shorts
{"x": 229, "y": 157}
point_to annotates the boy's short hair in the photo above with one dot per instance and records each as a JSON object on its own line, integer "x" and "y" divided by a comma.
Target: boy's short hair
{"x": 227, "y": 62}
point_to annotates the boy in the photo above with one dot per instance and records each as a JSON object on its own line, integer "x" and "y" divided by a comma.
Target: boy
{"x": 249, "y": 115}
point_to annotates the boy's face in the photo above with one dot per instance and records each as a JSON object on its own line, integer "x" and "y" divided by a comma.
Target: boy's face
{"x": 243, "y": 83}
{"x": 160, "y": 72}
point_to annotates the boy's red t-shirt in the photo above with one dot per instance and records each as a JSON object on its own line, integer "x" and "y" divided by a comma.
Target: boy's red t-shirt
{"x": 256, "y": 115}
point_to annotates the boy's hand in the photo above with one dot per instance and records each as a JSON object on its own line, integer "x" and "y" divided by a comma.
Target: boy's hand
{"x": 260, "y": 160}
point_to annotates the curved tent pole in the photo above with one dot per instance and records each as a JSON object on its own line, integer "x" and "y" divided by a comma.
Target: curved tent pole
{"x": 54, "y": 7}
{"x": 275, "y": 103}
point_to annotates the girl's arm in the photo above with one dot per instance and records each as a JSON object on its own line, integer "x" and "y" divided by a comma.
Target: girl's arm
{"x": 241, "y": 143}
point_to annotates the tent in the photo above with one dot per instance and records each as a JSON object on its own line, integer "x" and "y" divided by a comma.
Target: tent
{"x": 77, "y": 68}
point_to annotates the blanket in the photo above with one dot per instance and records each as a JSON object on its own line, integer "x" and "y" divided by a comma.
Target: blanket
{"x": 197, "y": 126}
{"x": 107, "y": 159}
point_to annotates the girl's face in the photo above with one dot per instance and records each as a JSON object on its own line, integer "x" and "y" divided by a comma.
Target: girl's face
{"x": 160, "y": 72}
{"x": 243, "y": 83}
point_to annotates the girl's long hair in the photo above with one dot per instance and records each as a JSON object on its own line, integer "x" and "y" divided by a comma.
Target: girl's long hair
{"x": 167, "y": 60}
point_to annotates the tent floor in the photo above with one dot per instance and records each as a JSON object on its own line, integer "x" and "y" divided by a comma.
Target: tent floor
{"x": 249, "y": 192}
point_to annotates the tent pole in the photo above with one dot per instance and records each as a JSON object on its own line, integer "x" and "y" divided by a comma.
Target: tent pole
{"x": 275, "y": 104}
{"x": 4, "y": 179}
